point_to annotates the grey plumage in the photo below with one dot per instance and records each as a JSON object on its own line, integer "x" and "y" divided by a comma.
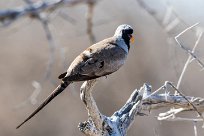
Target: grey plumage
{"x": 100, "y": 59}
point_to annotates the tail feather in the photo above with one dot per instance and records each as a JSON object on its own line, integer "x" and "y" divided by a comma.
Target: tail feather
{"x": 57, "y": 91}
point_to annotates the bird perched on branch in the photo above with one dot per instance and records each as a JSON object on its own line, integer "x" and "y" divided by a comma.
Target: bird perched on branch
{"x": 100, "y": 59}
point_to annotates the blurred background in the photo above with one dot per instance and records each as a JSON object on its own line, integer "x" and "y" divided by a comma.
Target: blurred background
{"x": 30, "y": 63}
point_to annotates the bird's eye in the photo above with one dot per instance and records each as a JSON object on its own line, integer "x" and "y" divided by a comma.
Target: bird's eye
{"x": 128, "y": 31}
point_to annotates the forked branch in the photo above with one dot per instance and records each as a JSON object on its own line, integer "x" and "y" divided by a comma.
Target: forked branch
{"x": 119, "y": 123}
{"x": 101, "y": 125}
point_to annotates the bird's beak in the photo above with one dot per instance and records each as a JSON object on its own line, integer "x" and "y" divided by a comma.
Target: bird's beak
{"x": 132, "y": 39}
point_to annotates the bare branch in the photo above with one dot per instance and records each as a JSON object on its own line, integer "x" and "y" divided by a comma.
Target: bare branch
{"x": 118, "y": 123}
{"x": 8, "y": 16}
{"x": 52, "y": 46}
{"x": 43, "y": 19}
{"x": 65, "y": 16}
{"x": 89, "y": 20}
{"x": 170, "y": 100}
{"x": 183, "y": 119}
{"x": 190, "y": 103}
{"x": 188, "y": 62}
{"x": 122, "y": 119}
{"x": 88, "y": 100}
{"x": 32, "y": 99}
{"x": 195, "y": 128}
{"x": 171, "y": 114}
{"x": 189, "y": 51}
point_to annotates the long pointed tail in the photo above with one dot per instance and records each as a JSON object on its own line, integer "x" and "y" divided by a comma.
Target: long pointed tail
{"x": 57, "y": 91}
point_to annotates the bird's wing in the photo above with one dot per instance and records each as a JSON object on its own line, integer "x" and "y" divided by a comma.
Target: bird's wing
{"x": 85, "y": 70}
{"x": 96, "y": 58}
{"x": 93, "y": 62}
{"x": 91, "y": 66}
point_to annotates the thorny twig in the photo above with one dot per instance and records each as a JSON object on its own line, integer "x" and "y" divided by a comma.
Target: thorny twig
{"x": 191, "y": 53}
{"x": 156, "y": 101}
{"x": 188, "y": 61}
{"x": 194, "y": 107}
{"x": 180, "y": 93}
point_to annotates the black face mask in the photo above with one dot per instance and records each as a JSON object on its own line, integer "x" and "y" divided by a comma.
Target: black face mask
{"x": 126, "y": 36}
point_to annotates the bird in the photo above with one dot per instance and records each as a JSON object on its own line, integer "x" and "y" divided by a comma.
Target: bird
{"x": 100, "y": 59}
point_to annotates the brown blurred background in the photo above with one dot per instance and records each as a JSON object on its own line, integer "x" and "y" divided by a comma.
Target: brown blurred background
{"x": 153, "y": 58}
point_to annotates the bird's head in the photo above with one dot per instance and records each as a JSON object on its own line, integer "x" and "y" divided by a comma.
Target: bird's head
{"x": 125, "y": 31}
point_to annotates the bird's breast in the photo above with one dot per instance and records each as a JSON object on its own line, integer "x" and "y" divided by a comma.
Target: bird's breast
{"x": 114, "y": 60}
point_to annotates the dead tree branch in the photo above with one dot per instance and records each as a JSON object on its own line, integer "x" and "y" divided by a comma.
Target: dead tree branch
{"x": 192, "y": 56}
{"x": 116, "y": 125}
{"x": 159, "y": 100}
